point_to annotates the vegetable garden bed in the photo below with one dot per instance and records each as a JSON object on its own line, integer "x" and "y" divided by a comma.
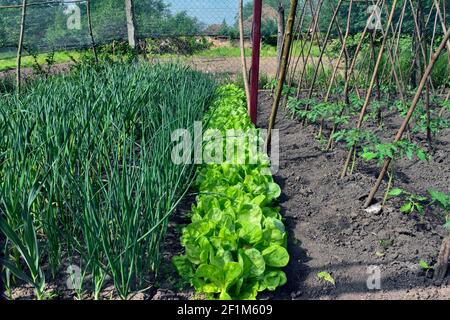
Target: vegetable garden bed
{"x": 87, "y": 182}
{"x": 88, "y": 189}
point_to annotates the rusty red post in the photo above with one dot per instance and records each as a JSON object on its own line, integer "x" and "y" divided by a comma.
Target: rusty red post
{"x": 256, "y": 51}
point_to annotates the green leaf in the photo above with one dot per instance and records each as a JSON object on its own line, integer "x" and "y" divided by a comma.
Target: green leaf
{"x": 184, "y": 267}
{"x": 273, "y": 190}
{"x": 327, "y": 277}
{"x": 440, "y": 198}
{"x": 422, "y": 155}
{"x": 369, "y": 155}
{"x": 212, "y": 273}
{"x": 193, "y": 253}
{"x": 395, "y": 192}
{"x": 17, "y": 272}
{"x": 424, "y": 265}
{"x": 276, "y": 256}
{"x": 407, "y": 208}
{"x": 273, "y": 280}
{"x": 420, "y": 208}
{"x": 250, "y": 232}
{"x": 256, "y": 263}
{"x": 250, "y": 213}
{"x": 233, "y": 271}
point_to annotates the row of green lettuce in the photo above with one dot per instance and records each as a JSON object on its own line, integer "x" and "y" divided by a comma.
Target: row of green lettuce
{"x": 235, "y": 246}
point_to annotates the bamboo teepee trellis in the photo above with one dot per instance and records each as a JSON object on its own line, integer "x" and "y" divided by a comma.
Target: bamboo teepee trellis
{"x": 390, "y": 72}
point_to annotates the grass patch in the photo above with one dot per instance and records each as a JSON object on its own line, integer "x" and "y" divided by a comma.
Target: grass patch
{"x": 29, "y": 62}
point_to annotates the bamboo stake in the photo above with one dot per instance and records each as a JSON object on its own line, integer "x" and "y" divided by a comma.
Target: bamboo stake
{"x": 372, "y": 83}
{"x": 280, "y": 37}
{"x": 300, "y": 36}
{"x": 333, "y": 76}
{"x": 347, "y": 83}
{"x": 243, "y": 59}
{"x": 442, "y": 20}
{"x": 30, "y": 4}
{"x": 396, "y": 46}
{"x": 314, "y": 29}
{"x": 415, "y": 19}
{"x": 20, "y": 46}
{"x": 341, "y": 54}
{"x": 322, "y": 50}
{"x": 442, "y": 261}
{"x": 408, "y": 117}
{"x": 282, "y": 77}
{"x": 300, "y": 54}
{"x": 398, "y": 80}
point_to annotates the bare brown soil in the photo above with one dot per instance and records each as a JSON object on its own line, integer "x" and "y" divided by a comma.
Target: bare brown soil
{"x": 330, "y": 232}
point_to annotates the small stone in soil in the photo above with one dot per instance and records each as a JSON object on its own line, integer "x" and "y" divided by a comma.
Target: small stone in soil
{"x": 296, "y": 294}
{"x": 375, "y": 209}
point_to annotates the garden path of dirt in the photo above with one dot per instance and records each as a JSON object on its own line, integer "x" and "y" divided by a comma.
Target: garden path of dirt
{"x": 227, "y": 66}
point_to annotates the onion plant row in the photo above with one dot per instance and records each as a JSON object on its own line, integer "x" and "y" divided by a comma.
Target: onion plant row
{"x": 86, "y": 176}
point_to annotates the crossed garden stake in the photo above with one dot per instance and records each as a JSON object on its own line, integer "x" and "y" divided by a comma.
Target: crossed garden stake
{"x": 404, "y": 125}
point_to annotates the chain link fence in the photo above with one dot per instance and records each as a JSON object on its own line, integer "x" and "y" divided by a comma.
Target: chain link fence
{"x": 203, "y": 32}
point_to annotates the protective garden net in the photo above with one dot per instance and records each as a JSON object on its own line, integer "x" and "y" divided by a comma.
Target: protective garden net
{"x": 63, "y": 25}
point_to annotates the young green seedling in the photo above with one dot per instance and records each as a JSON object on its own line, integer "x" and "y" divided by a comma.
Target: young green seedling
{"x": 441, "y": 200}
{"x": 394, "y": 151}
{"x": 326, "y": 276}
{"x": 355, "y": 139}
{"x": 425, "y": 266}
{"x": 412, "y": 202}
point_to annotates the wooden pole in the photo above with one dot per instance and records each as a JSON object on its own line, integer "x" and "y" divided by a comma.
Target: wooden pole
{"x": 286, "y": 50}
{"x": 300, "y": 54}
{"x": 442, "y": 20}
{"x": 322, "y": 50}
{"x": 350, "y": 72}
{"x": 313, "y": 26}
{"x": 280, "y": 36}
{"x": 440, "y": 269}
{"x": 20, "y": 46}
{"x": 341, "y": 54}
{"x": 256, "y": 51}
{"x": 370, "y": 89}
{"x": 408, "y": 117}
{"x": 243, "y": 59}
{"x": 91, "y": 33}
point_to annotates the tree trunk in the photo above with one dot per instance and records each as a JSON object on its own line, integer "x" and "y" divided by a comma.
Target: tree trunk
{"x": 130, "y": 23}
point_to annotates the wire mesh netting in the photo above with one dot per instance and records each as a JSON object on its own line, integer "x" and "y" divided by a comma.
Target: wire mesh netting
{"x": 185, "y": 28}
{"x": 62, "y": 25}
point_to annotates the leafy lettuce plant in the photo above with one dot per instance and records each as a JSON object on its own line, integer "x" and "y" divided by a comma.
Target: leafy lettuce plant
{"x": 236, "y": 244}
